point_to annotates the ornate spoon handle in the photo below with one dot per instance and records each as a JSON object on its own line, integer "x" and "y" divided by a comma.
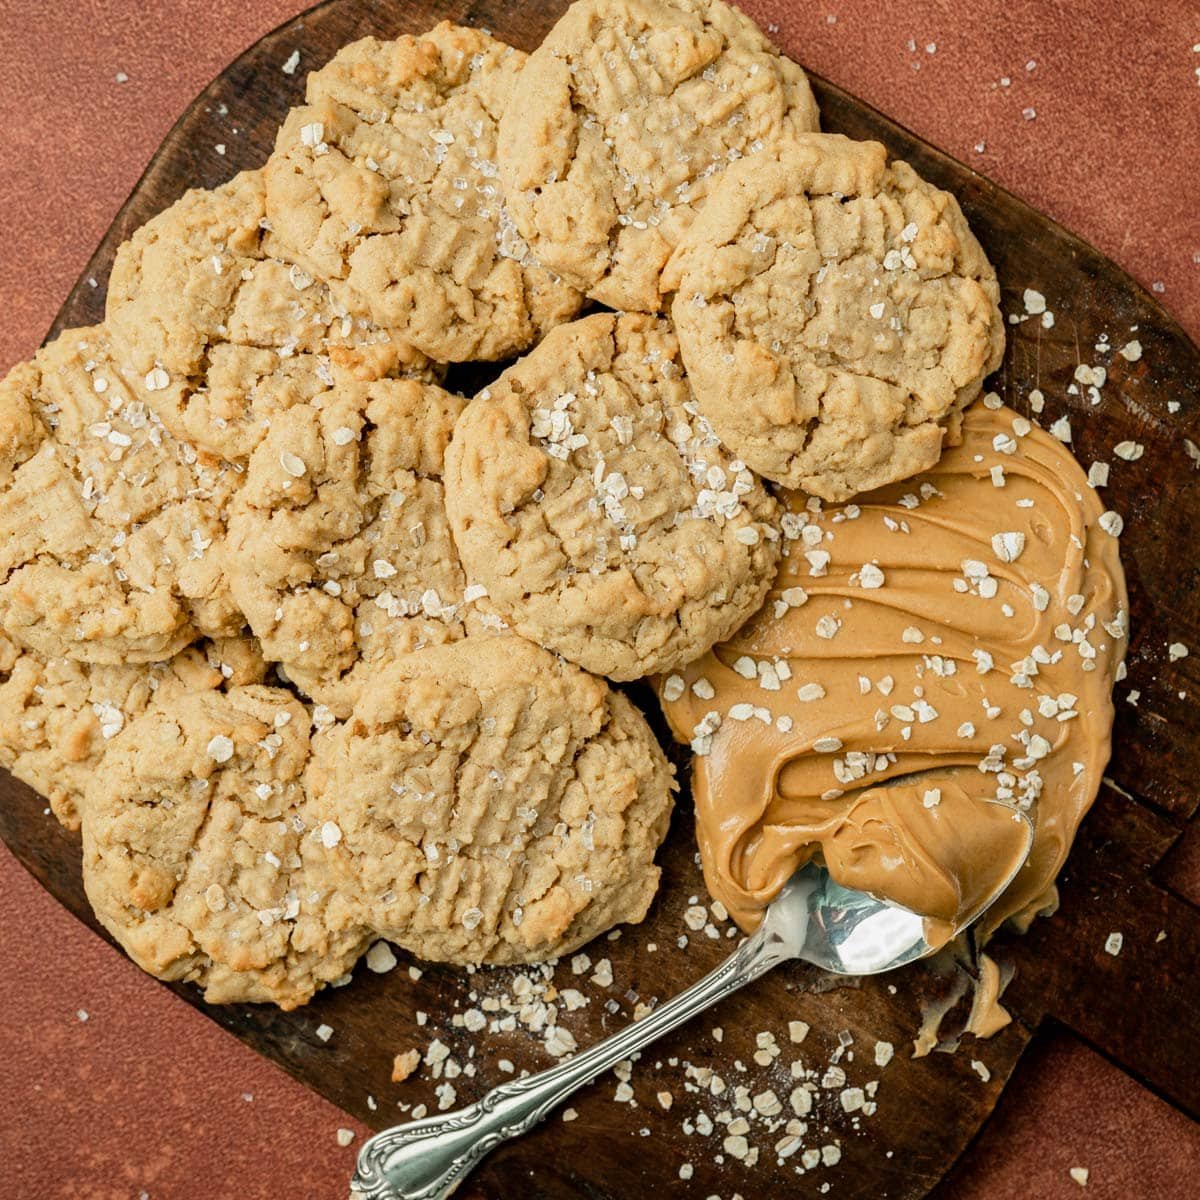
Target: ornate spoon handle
{"x": 428, "y": 1159}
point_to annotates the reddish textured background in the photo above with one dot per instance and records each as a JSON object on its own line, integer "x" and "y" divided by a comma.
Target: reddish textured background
{"x": 146, "y": 1098}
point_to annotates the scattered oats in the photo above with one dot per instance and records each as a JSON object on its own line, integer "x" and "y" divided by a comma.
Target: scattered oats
{"x": 827, "y": 627}
{"x": 1098, "y": 474}
{"x": 345, "y": 1137}
{"x": 1061, "y": 429}
{"x": 560, "y": 1041}
{"x": 810, "y": 692}
{"x": 324, "y": 1032}
{"x": 157, "y": 379}
{"x": 883, "y": 1053}
{"x": 1113, "y": 944}
{"x": 291, "y": 63}
{"x": 330, "y": 834}
{"x": 1129, "y": 451}
{"x": 870, "y": 576}
{"x": 797, "y": 1031}
{"x": 82, "y": 1014}
{"x": 665, "y": 1099}
{"x": 1035, "y": 302}
{"x": 673, "y": 688}
{"x": 1112, "y": 523}
{"x": 686, "y": 1171}
{"x": 932, "y": 797}
{"x": 980, "y": 1069}
{"x": 736, "y": 1145}
{"x": 292, "y": 464}
{"x": 380, "y": 958}
{"x": 220, "y": 748}
{"x": 827, "y": 745}
{"x": 746, "y": 667}
{"x": 1176, "y": 651}
{"x": 852, "y": 1099}
{"x": 1008, "y": 546}
{"x": 818, "y": 562}
{"x": 912, "y": 635}
{"x": 1080, "y": 1175}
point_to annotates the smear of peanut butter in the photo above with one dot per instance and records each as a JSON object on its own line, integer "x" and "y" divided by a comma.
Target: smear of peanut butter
{"x": 937, "y": 644}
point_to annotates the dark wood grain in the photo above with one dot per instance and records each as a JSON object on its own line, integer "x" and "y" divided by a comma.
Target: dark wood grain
{"x": 1140, "y": 1007}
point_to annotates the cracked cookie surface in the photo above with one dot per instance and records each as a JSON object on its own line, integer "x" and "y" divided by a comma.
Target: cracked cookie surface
{"x": 57, "y": 717}
{"x": 387, "y": 182}
{"x": 603, "y": 517}
{"x": 836, "y": 315}
{"x": 111, "y": 530}
{"x": 493, "y": 804}
{"x": 341, "y": 553}
{"x": 631, "y": 109}
{"x": 200, "y": 856}
{"x": 219, "y": 335}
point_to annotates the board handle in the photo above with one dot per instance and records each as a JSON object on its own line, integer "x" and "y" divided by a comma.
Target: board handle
{"x": 1119, "y": 963}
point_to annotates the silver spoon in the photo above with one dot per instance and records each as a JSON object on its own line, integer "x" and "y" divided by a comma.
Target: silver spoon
{"x": 813, "y": 918}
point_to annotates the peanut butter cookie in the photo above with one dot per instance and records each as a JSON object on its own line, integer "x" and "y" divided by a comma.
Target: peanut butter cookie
{"x": 57, "y": 717}
{"x": 111, "y": 530}
{"x": 835, "y": 314}
{"x": 218, "y": 335}
{"x": 387, "y": 180}
{"x": 630, "y": 111}
{"x": 341, "y": 549}
{"x": 599, "y": 510}
{"x": 200, "y": 856}
{"x": 491, "y": 803}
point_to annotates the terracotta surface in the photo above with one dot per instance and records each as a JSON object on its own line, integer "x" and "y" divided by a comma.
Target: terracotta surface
{"x": 145, "y": 1097}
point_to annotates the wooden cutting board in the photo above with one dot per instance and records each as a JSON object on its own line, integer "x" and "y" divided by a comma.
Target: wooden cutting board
{"x": 1141, "y": 1008}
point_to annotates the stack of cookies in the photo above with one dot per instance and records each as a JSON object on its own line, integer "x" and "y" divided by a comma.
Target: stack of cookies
{"x": 313, "y": 648}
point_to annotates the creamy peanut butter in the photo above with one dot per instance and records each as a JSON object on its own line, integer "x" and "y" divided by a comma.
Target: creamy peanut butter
{"x": 936, "y": 645}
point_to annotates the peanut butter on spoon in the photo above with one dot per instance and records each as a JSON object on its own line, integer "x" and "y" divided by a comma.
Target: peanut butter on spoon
{"x": 934, "y": 645}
